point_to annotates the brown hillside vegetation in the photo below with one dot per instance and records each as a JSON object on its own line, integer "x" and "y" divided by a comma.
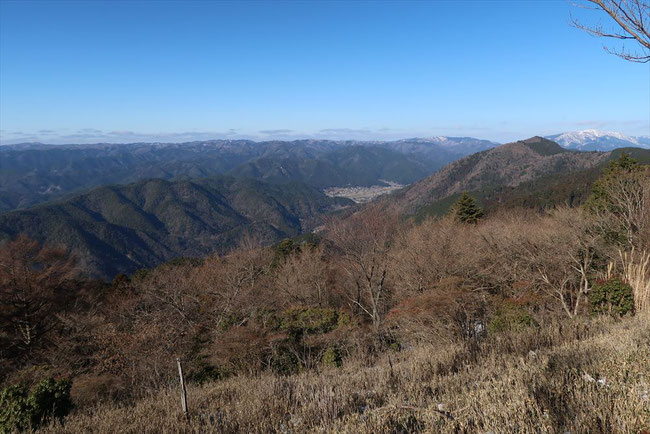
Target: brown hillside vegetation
{"x": 589, "y": 376}
{"x": 517, "y": 321}
{"x": 506, "y": 165}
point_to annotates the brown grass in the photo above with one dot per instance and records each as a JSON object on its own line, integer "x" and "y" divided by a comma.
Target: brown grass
{"x": 580, "y": 376}
{"x": 636, "y": 272}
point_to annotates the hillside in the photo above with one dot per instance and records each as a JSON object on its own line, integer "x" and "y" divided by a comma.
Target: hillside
{"x": 352, "y": 165}
{"x": 373, "y": 325}
{"x": 507, "y": 165}
{"x": 521, "y": 382}
{"x": 548, "y": 191}
{"x": 34, "y": 173}
{"x": 123, "y": 228}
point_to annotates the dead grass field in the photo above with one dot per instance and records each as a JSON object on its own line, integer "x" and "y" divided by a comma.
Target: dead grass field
{"x": 581, "y": 376}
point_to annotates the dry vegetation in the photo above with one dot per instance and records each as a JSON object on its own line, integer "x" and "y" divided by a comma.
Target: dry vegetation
{"x": 588, "y": 376}
{"x": 381, "y": 326}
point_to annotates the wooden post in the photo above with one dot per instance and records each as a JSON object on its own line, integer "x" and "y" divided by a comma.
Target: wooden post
{"x": 183, "y": 391}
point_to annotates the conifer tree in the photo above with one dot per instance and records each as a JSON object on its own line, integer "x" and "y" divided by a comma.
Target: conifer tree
{"x": 467, "y": 210}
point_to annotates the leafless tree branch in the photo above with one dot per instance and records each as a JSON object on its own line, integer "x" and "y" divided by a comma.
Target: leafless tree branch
{"x": 631, "y": 17}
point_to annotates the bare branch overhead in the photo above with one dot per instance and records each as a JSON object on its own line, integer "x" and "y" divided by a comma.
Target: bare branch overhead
{"x": 631, "y": 17}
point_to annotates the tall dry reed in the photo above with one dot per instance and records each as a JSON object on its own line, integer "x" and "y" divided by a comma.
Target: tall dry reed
{"x": 636, "y": 272}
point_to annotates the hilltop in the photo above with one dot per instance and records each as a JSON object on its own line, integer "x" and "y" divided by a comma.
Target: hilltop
{"x": 507, "y": 165}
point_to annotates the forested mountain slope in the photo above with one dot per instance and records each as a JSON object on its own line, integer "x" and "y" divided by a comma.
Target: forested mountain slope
{"x": 123, "y": 228}
{"x": 507, "y": 165}
{"x": 570, "y": 188}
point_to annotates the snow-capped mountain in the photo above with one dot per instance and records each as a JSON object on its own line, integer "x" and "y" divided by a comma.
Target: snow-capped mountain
{"x": 594, "y": 140}
{"x": 457, "y": 145}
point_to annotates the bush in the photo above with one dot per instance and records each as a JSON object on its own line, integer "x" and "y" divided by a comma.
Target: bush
{"x": 206, "y": 374}
{"x": 510, "y": 317}
{"x": 94, "y": 388}
{"x": 332, "y": 357}
{"x": 283, "y": 360}
{"x": 613, "y": 297}
{"x": 21, "y": 408}
{"x": 283, "y": 250}
{"x": 310, "y": 320}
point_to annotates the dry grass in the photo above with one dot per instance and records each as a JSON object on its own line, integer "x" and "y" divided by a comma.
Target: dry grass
{"x": 636, "y": 272}
{"x": 581, "y": 376}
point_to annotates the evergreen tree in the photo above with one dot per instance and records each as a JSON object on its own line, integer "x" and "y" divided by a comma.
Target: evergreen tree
{"x": 467, "y": 210}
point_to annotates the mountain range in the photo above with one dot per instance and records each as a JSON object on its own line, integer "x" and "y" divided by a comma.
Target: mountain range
{"x": 272, "y": 190}
{"x": 35, "y": 173}
{"x": 594, "y": 140}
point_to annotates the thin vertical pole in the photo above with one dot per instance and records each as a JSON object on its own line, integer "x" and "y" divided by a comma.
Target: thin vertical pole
{"x": 183, "y": 391}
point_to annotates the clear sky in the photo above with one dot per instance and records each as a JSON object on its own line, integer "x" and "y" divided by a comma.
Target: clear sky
{"x": 79, "y": 72}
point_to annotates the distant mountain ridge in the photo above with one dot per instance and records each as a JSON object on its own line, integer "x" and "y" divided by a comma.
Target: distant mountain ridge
{"x": 35, "y": 173}
{"x": 594, "y": 140}
{"x": 351, "y": 165}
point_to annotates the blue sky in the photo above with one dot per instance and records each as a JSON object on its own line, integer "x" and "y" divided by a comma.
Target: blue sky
{"x": 79, "y": 72}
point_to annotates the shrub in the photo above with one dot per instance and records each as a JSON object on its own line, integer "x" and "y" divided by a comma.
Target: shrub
{"x": 206, "y": 374}
{"x": 613, "y": 297}
{"x": 343, "y": 320}
{"x": 310, "y": 320}
{"x": 283, "y": 250}
{"x": 283, "y": 359}
{"x": 93, "y": 388}
{"x": 332, "y": 357}
{"x": 21, "y": 408}
{"x": 510, "y": 317}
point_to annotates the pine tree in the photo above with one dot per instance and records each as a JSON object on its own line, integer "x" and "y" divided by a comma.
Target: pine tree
{"x": 467, "y": 210}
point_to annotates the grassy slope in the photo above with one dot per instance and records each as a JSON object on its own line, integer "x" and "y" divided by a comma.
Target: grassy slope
{"x": 535, "y": 381}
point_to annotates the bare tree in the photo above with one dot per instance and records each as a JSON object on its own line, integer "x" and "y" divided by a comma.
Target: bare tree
{"x": 628, "y": 210}
{"x": 364, "y": 240}
{"x": 230, "y": 286}
{"x": 562, "y": 254}
{"x": 33, "y": 290}
{"x": 632, "y": 19}
{"x": 302, "y": 278}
